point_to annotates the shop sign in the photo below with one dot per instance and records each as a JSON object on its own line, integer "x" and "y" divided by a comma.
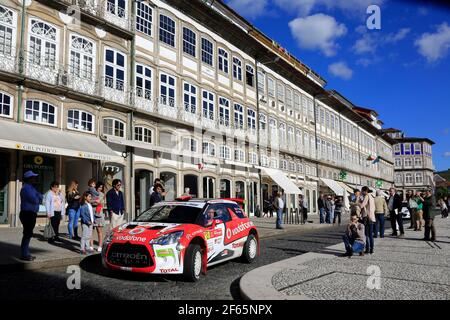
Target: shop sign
{"x": 36, "y": 148}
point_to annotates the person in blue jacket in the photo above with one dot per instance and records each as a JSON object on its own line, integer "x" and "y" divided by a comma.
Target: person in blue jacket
{"x": 30, "y": 199}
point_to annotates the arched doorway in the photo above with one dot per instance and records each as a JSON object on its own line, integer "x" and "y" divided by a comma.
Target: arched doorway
{"x": 209, "y": 187}
{"x": 240, "y": 189}
{"x": 170, "y": 185}
{"x": 225, "y": 188}
{"x": 191, "y": 182}
{"x": 142, "y": 184}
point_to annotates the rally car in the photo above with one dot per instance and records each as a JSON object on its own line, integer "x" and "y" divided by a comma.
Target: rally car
{"x": 182, "y": 237}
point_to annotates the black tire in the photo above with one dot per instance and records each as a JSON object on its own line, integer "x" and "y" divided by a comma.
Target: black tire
{"x": 191, "y": 272}
{"x": 250, "y": 251}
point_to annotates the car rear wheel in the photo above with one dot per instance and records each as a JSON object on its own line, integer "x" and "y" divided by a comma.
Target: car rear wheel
{"x": 250, "y": 249}
{"x": 193, "y": 262}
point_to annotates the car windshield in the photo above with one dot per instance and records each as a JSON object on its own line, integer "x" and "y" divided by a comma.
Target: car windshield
{"x": 172, "y": 213}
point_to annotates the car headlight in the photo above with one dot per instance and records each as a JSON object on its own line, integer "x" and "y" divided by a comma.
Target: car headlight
{"x": 166, "y": 239}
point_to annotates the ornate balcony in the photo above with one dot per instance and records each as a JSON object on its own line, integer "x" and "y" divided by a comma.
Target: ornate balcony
{"x": 9, "y": 63}
{"x": 43, "y": 70}
{"x": 167, "y": 107}
{"x": 117, "y": 15}
{"x": 86, "y": 85}
{"x": 239, "y": 130}
{"x": 208, "y": 121}
{"x": 142, "y": 99}
{"x": 252, "y": 135}
{"x": 189, "y": 114}
{"x": 263, "y": 137}
{"x": 114, "y": 90}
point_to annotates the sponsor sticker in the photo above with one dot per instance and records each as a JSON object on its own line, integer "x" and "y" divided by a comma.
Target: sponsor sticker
{"x": 237, "y": 245}
{"x": 131, "y": 238}
{"x": 240, "y": 228}
{"x": 213, "y": 234}
{"x": 168, "y": 270}
{"x": 137, "y": 231}
{"x": 162, "y": 253}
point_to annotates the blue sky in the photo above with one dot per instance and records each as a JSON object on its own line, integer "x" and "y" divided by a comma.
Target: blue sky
{"x": 401, "y": 70}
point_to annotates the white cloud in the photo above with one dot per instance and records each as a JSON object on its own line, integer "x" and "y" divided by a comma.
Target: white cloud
{"x": 305, "y": 7}
{"x": 434, "y": 46}
{"x": 396, "y": 37}
{"x": 447, "y": 154}
{"x": 366, "y": 44}
{"x": 370, "y": 42}
{"x": 318, "y": 31}
{"x": 249, "y": 8}
{"x": 341, "y": 70}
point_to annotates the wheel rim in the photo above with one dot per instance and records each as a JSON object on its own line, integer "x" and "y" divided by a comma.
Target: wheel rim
{"x": 197, "y": 264}
{"x": 252, "y": 249}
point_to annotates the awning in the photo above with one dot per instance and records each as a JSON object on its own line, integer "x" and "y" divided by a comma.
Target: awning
{"x": 333, "y": 185}
{"x": 346, "y": 187}
{"x": 284, "y": 182}
{"x": 39, "y": 139}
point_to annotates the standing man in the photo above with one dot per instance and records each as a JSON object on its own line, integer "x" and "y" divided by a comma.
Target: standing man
{"x": 338, "y": 210}
{"x": 395, "y": 208}
{"x": 115, "y": 203}
{"x": 29, "y": 207}
{"x": 156, "y": 195}
{"x": 321, "y": 205}
{"x": 380, "y": 210}
{"x": 279, "y": 203}
{"x": 412, "y": 207}
{"x": 368, "y": 217}
{"x": 328, "y": 209}
{"x": 303, "y": 207}
{"x": 429, "y": 205}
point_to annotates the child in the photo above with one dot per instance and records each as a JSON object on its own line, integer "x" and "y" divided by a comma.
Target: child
{"x": 87, "y": 221}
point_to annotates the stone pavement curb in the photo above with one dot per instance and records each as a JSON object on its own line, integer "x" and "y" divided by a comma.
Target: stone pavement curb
{"x": 291, "y": 275}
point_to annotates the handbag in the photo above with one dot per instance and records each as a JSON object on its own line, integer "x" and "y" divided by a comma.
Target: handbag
{"x": 49, "y": 233}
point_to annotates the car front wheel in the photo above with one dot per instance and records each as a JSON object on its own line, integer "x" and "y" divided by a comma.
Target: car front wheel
{"x": 193, "y": 261}
{"x": 250, "y": 249}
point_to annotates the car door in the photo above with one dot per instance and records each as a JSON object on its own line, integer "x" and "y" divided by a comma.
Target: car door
{"x": 215, "y": 234}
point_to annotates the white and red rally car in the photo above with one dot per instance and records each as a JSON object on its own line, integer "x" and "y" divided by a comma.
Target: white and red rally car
{"x": 182, "y": 237}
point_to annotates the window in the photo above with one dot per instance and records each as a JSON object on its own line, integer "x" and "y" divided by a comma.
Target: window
{"x": 253, "y": 158}
{"x": 6, "y": 105}
{"x": 144, "y": 82}
{"x": 397, "y": 148}
{"x": 298, "y": 137}
{"x": 238, "y": 116}
{"x": 308, "y": 170}
{"x": 143, "y": 134}
{"x": 167, "y": 90}
{"x": 223, "y": 60}
{"x": 280, "y": 91}
{"x": 189, "y": 42}
{"x": 209, "y": 149}
{"x": 417, "y": 148}
{"x": 419, "y": 178}
{"x": 207, "y": 51}
{"x": 322, "y": 116}
{"x": 398, "y": 162}
{"x": 166, "y": 30}
{"x": 292, "y": 166}
{"x": 114, "y": 70}
{"x": 250, "y": 75}
{"x": 291, "y": 136}
{"x": 262, "y": 121}
{"x": 251, "y": 119}
{"x": 297, "y": 105}
{"x": 42, "y": 44}
{"x": 271, "y": 87}
{"x": 332, "y": 122}
{"x": 261, "y": 82}
{"x": 7, "y": 31}
{"x": 82, "y": 58}
{"x": 80, "y": 120}
{"x": 310, "y": 110}
{"x": 289, "y": 98}
{"x": 190, "y": 98}
{"x": 273, "y": 127}
{"x": 225, "y": 152}
{"x": 408, "y": 162}
{"x": 144, "y": 18}
{"x": 208, "y": 105}
{"x": 239, "y": 155}
{"x": 40, "y": 111}
{"x": 224, "y": 112}
{"x": 408, "y": 178}
{"x": 264, "y": 161}
{"x": 407, "y": 148}
{"x": 237, "y": 69}
{"x": 283, "y": 165}
{"x": 190, "y": 144}
{"x": 300, "y": 168}
{"x": 274, "y": 163}
{"x": 282, "y": 133}
{"x": 114, "y": 127}
{"x": 417, "y": 162}
{"x": 116, "y": 7}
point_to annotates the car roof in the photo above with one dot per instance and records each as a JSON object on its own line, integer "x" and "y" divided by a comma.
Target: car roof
{"x": 200, "y": 201}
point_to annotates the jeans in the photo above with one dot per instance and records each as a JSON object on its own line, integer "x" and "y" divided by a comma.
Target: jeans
{"x": 55, "y": 221}
{"x": 337, "y": 214}
{"x": 74, "y": 216}
{"x": 331, "y": 219}
{"x": 352, "y": 246}
{"x": 397, "y": 218}
{"x": 279, "y": 218}
{"x": 379, "y": 225}
{"x": 322, "y": 215}
{"x": 368, "y": 224}
{"x": 28, "y": 220}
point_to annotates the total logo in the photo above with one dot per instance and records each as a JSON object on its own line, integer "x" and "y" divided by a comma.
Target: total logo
{"x": 238, "y": 229}
{"x": 169, "y": 270}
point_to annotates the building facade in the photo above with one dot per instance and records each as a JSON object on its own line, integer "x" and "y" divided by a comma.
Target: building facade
{"x": 187, "y": 91}
{"x": 414, "y": 169}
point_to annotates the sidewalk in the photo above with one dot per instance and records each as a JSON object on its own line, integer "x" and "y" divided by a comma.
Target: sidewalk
{"x": 410, "y": 269}
{"x": 67, "y": 252}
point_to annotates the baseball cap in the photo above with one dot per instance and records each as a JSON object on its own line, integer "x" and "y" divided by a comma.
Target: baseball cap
{"x": 30, "y": 174}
